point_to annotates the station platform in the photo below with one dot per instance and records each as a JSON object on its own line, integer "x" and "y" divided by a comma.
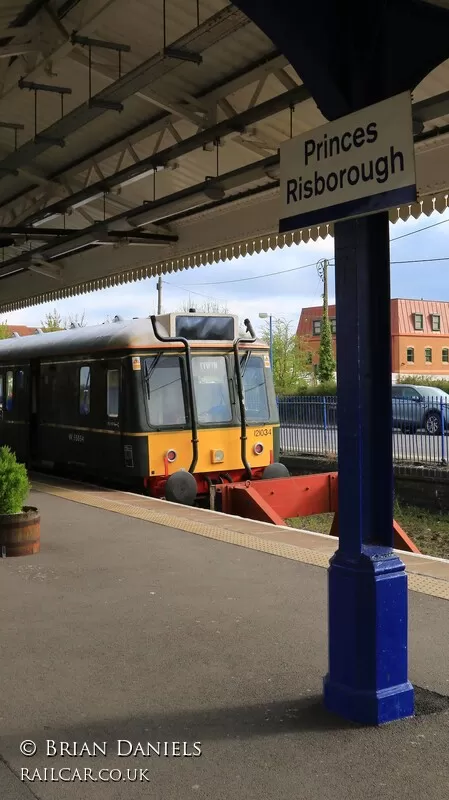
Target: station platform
{"x": 143, "y": 621}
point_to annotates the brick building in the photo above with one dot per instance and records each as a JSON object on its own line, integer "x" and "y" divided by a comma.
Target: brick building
{"x": 419, "y": 336}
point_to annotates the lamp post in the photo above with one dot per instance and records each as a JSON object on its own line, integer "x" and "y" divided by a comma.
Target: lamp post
{"x": 264, "y": 315}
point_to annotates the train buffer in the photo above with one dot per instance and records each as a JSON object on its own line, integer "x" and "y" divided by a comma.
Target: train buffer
{"x": 276, "y": 500}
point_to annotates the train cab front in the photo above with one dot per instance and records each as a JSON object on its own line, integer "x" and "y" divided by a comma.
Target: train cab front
{"x": 211, "y": 406}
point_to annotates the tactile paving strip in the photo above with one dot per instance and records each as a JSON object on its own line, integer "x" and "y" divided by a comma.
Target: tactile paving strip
{"x": 417, "y": 583}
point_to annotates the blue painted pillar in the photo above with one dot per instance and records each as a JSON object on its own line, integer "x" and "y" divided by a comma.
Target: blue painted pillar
{"x": 367, "y": 677}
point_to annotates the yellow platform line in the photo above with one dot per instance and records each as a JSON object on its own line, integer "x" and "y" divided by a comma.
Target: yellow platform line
{"x": 422, "y": 584}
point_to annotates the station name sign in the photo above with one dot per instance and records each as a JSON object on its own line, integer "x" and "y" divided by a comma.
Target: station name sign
{"x": 354, "y": 166}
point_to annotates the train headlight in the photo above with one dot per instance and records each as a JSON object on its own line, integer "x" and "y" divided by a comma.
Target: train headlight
{"x": 258, "y": 448}
{"x": 171, "y": 456}
{"x": 217, "y": 456}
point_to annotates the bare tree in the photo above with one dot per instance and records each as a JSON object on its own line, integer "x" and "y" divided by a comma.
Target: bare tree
{"x": 213, "y": 307}
{"x": 75, "y": 320}
{"x": 55, "y": 322}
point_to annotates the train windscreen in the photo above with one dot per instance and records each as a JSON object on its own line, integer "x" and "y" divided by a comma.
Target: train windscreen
{"x": 205, "y": 328}
{"x": 165, "y": 393}
{"x": 211, "y": 387}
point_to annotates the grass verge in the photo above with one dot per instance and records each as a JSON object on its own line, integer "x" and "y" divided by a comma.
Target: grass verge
{"x": 428, "y": 529}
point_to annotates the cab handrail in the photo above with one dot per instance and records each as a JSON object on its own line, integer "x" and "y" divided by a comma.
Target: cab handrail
{"x": 243, "y": 436}
{"x": 190, "y": 395}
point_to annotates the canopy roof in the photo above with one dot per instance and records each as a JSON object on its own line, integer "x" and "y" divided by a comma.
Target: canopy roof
{"x": 163, "y": 159}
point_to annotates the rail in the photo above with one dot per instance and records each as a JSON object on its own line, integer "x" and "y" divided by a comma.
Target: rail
{"x": 243, "y": 436}
{"x": 190, "y": 395}
{"x": 420, "y": 429}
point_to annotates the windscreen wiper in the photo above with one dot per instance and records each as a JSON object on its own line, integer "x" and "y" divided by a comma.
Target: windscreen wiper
{"x": 149, "y": 371}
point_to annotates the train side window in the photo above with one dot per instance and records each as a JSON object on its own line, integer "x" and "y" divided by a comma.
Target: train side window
{"x": 1, "y": 389}
{"x": 113, "y": 389}
{"x": 9, "y": 390}
{"x": 84, "y": 390}
{"x": 20, "y": 379}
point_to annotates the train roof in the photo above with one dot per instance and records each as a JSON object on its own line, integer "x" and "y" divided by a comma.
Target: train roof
{"x": 118, "y": 335}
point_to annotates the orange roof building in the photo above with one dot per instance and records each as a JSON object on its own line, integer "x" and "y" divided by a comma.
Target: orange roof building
{"x": 419, "y": 336}
{"x": 22, "y": 330}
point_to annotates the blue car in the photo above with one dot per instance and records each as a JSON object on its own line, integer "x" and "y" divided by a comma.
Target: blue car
{"x": 420, "y": 407}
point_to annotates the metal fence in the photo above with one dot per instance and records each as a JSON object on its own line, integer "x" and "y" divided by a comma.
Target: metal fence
{"x": 420, "y": 428}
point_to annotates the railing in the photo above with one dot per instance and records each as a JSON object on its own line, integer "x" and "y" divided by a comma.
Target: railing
{"x": 420, "y": 428}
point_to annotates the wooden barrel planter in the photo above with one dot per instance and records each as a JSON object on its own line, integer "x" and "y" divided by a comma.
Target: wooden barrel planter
{"x": 20, "y": 534}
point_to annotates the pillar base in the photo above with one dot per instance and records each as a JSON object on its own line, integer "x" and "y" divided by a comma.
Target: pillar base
{"x": 367, "y": 680}
{"x": 369, "y": 708}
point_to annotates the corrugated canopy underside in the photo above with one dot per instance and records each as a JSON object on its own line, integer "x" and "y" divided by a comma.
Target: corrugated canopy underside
{"x": 186, "y": 174}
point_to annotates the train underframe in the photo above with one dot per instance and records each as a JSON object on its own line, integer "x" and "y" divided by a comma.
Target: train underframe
{"x": 156, "y": 487}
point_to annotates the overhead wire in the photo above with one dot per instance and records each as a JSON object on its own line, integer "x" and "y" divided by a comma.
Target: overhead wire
{"x": 313, "y": 264}
{"x": 419, "y": 230}
{"x": 420, "y": 260}
{"x": 190, "y": 291}
{"x": 256, "y": 277}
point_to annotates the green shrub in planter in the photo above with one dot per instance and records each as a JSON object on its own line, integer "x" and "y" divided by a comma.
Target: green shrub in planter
{"x": 14, "y": 483}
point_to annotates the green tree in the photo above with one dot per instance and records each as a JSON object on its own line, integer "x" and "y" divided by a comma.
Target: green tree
{"x": 326, "y": 363}
{"x": 5, "y": 333}
{"x": 291, "y": 365}
{"x": 14, "y": 483}
{"x": 52, "y": 322}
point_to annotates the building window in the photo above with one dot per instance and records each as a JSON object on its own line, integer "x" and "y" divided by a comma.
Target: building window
{"x": 84, "y": 390}
{"x": 445, "y": 355}
{"x": 410, "y": 355}
{"x": 419, "y": 322}
{"x": 436, "y": 322}
{"x": 316, "y": 327}
{"x": 113, "y": 388}
{"x": 333, "y": 323}
{"x": 428, "y": 355}
{"x": 9, "y": 389}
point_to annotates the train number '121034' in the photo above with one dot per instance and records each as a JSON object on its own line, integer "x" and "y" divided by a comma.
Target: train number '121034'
{"x": 262, "y": 432}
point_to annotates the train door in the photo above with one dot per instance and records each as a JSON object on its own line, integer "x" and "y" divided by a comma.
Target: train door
{"x": 34, "y": 410}
{"x": 114, "y": 412}
{"x": 9, "y": 411}
{"x": 21, "y": 412}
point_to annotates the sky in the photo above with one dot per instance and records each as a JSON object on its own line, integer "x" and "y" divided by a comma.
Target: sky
{"x": 239, "y": 285}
